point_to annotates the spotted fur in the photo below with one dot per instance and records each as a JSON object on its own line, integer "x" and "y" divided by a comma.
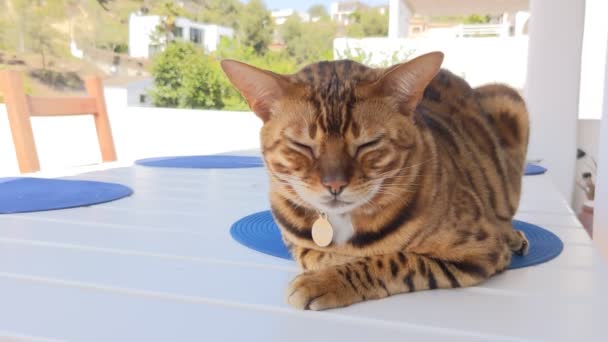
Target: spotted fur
{"x": 433, "y": 166}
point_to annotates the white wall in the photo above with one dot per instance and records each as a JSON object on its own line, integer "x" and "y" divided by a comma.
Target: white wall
{"x": 479, "y": 60}
{"x": 134, "y": 90}
{"x": 213, "y": 35}
{"x": 552, "y": 86}
{"x": 140, "y": 29}
{"x": 521, "y": 21}
{"x": 139, "y": 132}
{"x": 600, "y": 223}
{"x": 593, "y": 60}
{"x": 398, "y": 19}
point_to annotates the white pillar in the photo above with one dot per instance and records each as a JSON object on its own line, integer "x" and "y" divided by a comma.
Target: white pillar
{"x": 600, "y": 211}
{"x": 552, "y": 86}
{"x": 398, "y": 19}
{"x": 593, "y": 60}
{"x": 521, "y": 18}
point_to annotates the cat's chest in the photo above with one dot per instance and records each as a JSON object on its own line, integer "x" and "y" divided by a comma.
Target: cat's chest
{"x": 342, "y": 227}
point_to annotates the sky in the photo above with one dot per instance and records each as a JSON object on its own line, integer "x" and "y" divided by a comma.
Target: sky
{"x": 303, "y": 5}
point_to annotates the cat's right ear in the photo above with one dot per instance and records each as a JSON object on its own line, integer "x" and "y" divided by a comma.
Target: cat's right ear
{"x": 261, "y": 88}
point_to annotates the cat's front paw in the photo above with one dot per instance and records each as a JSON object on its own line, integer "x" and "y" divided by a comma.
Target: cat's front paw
{"x": 320, "y": 290}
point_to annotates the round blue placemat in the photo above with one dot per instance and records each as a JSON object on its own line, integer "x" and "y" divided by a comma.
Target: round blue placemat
{"x": 259, "y": 232}
{"x": 533, "y": 169}
{"x": 204, "y": 162}
{"x": 21, "y": 195}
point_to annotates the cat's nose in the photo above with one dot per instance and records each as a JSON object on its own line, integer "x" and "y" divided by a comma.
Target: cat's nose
{"x": 334, "y": 185}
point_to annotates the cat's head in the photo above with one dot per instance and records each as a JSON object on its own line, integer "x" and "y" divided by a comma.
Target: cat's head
{"x": 338, "y": 136}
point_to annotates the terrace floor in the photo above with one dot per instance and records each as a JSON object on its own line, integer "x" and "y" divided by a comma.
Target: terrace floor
{"x": 161, "y": 266}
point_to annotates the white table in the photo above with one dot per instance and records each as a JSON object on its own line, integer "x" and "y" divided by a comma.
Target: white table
{"x": 161, "y": 266}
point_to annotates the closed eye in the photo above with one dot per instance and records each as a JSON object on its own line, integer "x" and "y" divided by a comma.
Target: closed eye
{"x": 368, "y": 145}
{"x": 302, "y": 147}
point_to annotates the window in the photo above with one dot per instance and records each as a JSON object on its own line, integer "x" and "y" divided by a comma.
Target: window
{"x": 195, "y": 36}
{"x": 153, "y": 49}
{"x": 178, "y": 32}
{"x": 142, "y": 98}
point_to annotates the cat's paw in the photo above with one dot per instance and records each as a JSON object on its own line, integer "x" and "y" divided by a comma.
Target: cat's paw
{"x": 320, "y": 290}
{"x": 524, "y": 244}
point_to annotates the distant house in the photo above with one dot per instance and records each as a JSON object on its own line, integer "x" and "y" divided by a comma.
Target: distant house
{"x": 128, "y": 91}
{"x": 142, "y": 43}
{"x": 280, "y": 16}
{"x": 340, "y": 11}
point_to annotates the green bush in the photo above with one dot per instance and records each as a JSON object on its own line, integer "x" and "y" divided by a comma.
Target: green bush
{"x": 203, "y": 84}
{"x": 367, "y": 23}
{"x": 277, "y": 61}
{"x": 60, "y": 80}
{"x": 186, "y": 77}
{"x": 308, "y": 42}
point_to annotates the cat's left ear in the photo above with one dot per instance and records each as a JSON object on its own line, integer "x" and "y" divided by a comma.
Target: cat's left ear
{"x": 406, "y": 81}
{"x": 261, "y": 88}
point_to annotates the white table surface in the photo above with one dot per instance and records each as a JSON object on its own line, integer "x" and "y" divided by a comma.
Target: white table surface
{"x": 161, "y": 266}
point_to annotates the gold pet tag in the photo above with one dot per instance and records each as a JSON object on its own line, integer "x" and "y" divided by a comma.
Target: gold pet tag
{"x": 322, "y": 231}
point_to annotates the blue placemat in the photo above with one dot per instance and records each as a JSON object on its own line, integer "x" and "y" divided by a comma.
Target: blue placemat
{"x": 259, "y": 232}
{"x": 533, "y": 169}
{"x": 21, "y": 195}
{"x": 204, "y": 162}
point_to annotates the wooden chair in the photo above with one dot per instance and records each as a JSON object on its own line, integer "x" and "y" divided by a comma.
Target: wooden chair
{"x": 21, "y": 107}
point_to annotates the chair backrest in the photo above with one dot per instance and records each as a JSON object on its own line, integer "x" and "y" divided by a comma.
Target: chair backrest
{"x": 20, "y": 107}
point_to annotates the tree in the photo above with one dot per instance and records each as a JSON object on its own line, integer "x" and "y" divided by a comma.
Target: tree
{"x": 277, "y": 61}
{"x": 477, "y": 19}
{"x": 221, "y": 12}
{"x": 40, "y": 36}
{"x": 185, "y": 77}
{"x": 318, "y": 11}
{"x": 367, "y": 23}
{"x": 255, "y": 26}
{"x": 41, "y": 41}
{"x": 164, "y": 30}
{"x": 22, "y": 10}
{"x": 107, "y": 30}
{"x": 3, "y": 34}
{"x": 204, "y": 84}
{"x": 167, "y": 69}
{"x": 308, "y": 42}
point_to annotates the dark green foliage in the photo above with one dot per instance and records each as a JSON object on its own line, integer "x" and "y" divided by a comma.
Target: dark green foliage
{"x": 368, "y": 23}
{"x": 477, "y": 19}
{"x": 255, "y": 26}
{"x": 308, "y": 42}
{"x": 69, "y": 80}
{"x": 185, "y": 77}
{"x": 318, "y": 11}
{"x": 221, "y": 12}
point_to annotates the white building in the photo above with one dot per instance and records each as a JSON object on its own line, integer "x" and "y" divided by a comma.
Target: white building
{"x": 340, "y": 11}
{"x": 129, "y": 91}
{"x": 142, "y": 28}
{"x": 281, "y": 16}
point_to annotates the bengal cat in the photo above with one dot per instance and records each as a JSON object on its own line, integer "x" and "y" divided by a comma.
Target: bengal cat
{"x": 418, "y": 173}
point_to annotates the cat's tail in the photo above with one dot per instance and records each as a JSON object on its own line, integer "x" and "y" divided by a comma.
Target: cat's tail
{"x": 508, "y": 114}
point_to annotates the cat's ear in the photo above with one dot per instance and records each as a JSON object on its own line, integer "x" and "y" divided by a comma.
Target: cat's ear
{"x": 406, "y": 81}
{"x": 261, "y": 88}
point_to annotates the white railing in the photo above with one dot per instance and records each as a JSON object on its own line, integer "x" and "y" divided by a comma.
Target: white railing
{"x": 483, "y": 30}
{"x": 481, "y": 60}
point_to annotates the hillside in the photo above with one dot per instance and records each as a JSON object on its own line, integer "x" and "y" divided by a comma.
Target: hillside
{"x": 35, "y": 37}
